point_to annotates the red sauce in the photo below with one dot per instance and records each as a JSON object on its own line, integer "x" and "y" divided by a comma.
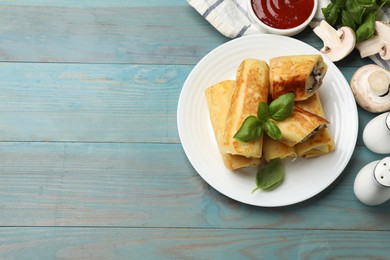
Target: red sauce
{"x": 283, "y": 14}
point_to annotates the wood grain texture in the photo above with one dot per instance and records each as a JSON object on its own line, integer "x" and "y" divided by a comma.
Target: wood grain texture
{"x": 153, "y": 185}
{"x": 83, "y": 102}
{"x": 91, "y": 165}
{"x": 158, "y": 243}
{"x": 97, "y": 102}
{"x": 111, "y": 33}
{"x": 105, "y": 35}
{"x": 95, "y": 3}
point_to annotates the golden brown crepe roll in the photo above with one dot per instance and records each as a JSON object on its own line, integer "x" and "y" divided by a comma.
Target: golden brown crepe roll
{"x": 252, "y": 86}
{"x": 321, "y": 142}
{"x": 274, "y": 149}
{"x": 218, "y": 99}
{"x": 299, "y": 126}
{"x": 300, "y": 74}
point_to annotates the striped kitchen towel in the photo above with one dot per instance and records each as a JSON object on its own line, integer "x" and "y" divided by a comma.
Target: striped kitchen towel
{"x": 231, "y": 18}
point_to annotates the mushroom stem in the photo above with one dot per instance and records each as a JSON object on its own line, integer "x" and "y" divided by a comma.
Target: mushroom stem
{"x": 327, "y": 34}
{"x": 369, "y": 47}
{"x": 380, "y": 43}
{"x": 379, "y": 83}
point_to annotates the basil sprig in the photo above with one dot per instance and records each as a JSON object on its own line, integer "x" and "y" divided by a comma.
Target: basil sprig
{"x": 253, "y": 127}
{"x": 270, "y": 175}
{"x": 359, "y": 15}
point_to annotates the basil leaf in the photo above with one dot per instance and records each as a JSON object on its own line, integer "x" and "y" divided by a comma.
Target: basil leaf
{"x": 331, "y": 13}
{"x": 356, "y": 14}
{"x": 282, "y": 107}
{"x": 384, "y": 3}
{"x": 259, "y": 131}
{"x": 249, "y": 130}
{"x": 356, "y": 11}
{"x": 273, "y": 130}
{"x": 270, "y": 175}
{"x": 263, "y": 111}
{"x": 366, "y": 3}
{"x": 347, "y": 20}
{"x": 340, "y": 3}
{"x": 367, "y": 29}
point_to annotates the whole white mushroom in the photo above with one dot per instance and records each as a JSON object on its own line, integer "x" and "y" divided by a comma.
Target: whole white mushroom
{"x": 370, "y": 85}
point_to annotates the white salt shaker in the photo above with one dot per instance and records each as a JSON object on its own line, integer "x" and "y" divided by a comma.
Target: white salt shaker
{"x": 376, "y": 134}
{"x": 372, "y": 183}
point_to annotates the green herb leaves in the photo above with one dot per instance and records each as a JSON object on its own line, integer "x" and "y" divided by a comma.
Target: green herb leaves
{"x": 253, "y": 127}
{"x": 359, "y": 15}
{"x": 270, "y": 175}
{"x": 282, "y": 107}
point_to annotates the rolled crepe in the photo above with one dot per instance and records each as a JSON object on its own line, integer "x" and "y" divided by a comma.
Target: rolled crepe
{"x": 299, "y": 126}
{"x": 218, "y": 99}
{"x": 274, "y": 149}
{"x": 301, "y": 74}
{"x": 252, "y": 87}
{"x": 321, "y": 142}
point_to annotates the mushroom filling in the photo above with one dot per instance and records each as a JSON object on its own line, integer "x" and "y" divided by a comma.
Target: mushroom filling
{"x": 315, "y": 79}
{"x": 312, "y": 133}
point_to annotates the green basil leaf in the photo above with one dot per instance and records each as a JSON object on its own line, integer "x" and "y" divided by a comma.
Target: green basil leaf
{"x": 270, "y": 175}
{"x": 356, "y": 11}
{"x": 367, "y": 29}
{"x": 263, "y": 111}
{"x": 347, "y": 20}
{"x": 331, "y": 13}
{"x": 348, "y": 3}
{"x": 340, "y": 3}
{"x": 282, "y": 107}
{"x": 382, "y": 3}
{"x": 259, "y": 131}
{"x": 273, "y": 130}
{"x": 249, "y": 130}
{"x": 366, "y": 3}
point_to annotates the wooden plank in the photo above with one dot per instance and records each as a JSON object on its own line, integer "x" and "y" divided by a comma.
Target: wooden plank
{"x": 96, "y": 102}
{"x": 95, "y": 3}
{"x": 105, "y": 35}
{"x": 157, "y": 243}
{"x": 113, "y": 32}
{"x": 153, "y": 185}
{"x": 82, "y": 102}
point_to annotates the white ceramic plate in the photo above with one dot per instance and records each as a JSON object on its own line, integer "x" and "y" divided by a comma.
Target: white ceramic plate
{"x": 304, "y": 178}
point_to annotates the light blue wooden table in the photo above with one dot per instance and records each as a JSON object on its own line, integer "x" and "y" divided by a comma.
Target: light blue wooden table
{"x": 91, "y": 165}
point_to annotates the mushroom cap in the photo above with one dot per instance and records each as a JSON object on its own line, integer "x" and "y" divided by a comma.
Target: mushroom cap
{"x": 346, "y": 45}
{"x": 365, "y": 95}
{"x": 337, "y": 44}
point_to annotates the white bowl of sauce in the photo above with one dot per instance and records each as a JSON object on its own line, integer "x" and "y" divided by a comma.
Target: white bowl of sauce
{"x": 283, "y": 17}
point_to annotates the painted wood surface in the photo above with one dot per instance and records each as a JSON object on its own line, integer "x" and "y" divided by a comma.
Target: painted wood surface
{"x": 91, "y": 165}
{"x": 140, "y": 185}
{"x": 161, "y": 243}
{"x": 96, "y": 102}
